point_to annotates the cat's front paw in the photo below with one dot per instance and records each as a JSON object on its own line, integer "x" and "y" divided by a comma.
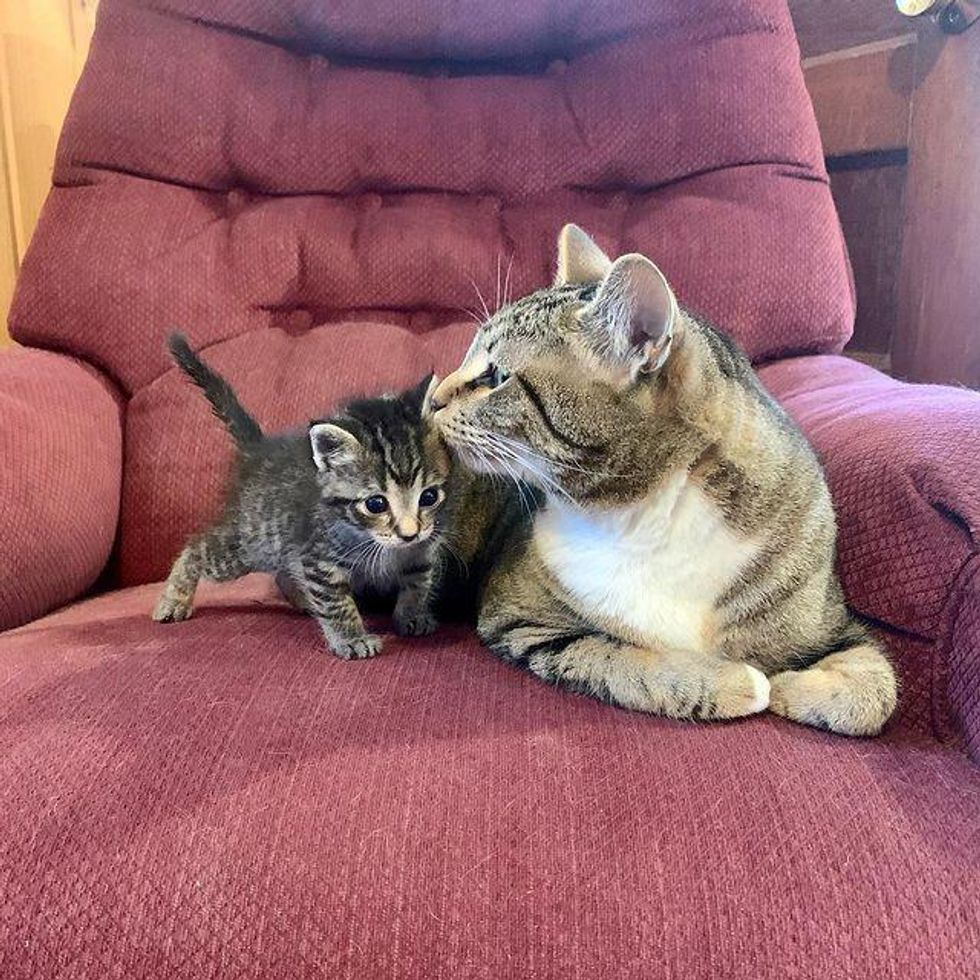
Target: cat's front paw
{"x": 414, "y": 622}
{"x": 742, "y": 690}
{"x": 172, "y": 609}
{"x": 356, "y": 647}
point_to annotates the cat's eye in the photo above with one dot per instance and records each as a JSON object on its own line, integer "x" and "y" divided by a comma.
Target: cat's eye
{"x": 493, "y": 377}
{"x": 429, "y": 497}
{"x": 376, "y": 504}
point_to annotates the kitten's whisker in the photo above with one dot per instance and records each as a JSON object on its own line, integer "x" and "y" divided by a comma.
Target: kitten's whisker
{"x": 355, "y": 550}
{"x": 498, "y": 283}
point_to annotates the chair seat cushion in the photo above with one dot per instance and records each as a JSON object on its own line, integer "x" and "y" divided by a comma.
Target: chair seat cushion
{"x": 223, "y": 798}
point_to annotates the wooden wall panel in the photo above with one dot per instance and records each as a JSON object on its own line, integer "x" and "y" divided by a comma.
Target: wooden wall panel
{"x": 8, "y": 249}
{"x": 861, "y": 96}
{"x": 43, "y": 44}
{"x": 831, "y": 25}
{"x": 938, "y": 329}
{"x": 862, "y": 100}
{"x": 870, "y": 203}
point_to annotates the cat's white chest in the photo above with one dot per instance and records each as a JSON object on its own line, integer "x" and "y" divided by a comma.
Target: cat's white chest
{"x": 652, "y": 570}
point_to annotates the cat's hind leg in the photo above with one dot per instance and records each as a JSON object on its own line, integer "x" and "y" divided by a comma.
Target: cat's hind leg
{"x": 672, "y": 683}
{"x": 177, "y": 600}
{"x": 852, "y": 692}
{"x": 215, "y": 555}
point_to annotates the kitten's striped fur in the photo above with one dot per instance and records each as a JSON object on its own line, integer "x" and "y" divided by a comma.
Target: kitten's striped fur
{"x": 683, "y": 559}
{"x": 296, "y": 508}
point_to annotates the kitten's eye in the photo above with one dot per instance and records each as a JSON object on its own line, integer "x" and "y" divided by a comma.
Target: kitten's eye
{"x": 429, "y": 497}
{"x": 376, "y": 504}
{"x": 493, "y": 377}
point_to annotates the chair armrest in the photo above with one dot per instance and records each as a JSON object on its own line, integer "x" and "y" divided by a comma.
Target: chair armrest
{"x": 903, "y": 464}
{"x": 61, "y": 452}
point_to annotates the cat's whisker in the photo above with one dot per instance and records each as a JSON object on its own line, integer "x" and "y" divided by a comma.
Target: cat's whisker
{"x": 355, "y": 550}
{"x": 521, "y": 491}
{"x": 497, "y": 307}
{"x": 479, "y": 296}
{"x": 519, "y": 447}
{"x": 510, "y": 265}
{"x": 443, "y": 542}
{"x": 546, "y": 479}
{"x": 472, "y": 314}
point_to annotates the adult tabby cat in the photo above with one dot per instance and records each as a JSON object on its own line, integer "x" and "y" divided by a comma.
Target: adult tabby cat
{"x": 682, "y": 558}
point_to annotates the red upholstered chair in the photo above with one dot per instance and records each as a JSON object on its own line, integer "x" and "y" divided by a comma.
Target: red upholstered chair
{"x": 307, "y": 188}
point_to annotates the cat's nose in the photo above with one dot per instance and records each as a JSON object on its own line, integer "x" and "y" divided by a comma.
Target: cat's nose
{"x": 452, "y": 384}
{"x": 443, "y": 393}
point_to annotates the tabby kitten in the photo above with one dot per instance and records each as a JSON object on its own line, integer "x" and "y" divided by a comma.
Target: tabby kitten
{"x": 682, "y": 561}
{"x": 350, "y": 507}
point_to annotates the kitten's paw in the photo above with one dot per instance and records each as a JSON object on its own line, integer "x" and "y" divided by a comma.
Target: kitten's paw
{"x": 416, "y": 622}
{"x": 742, "y": 690}
{"x": 357, "y": 647}
{"x": 170, "y": 609}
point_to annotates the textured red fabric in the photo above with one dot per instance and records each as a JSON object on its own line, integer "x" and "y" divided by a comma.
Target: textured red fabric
{"x": 226, "y": 165}
{"x": 901, "y": 461}
{"x": 222, "y": 798}
{"x": 60, "y": 467}
{"x": 961, "y": 657}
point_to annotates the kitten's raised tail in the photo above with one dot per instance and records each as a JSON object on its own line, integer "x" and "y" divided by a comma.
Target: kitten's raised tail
{"x": 224, "y": 402}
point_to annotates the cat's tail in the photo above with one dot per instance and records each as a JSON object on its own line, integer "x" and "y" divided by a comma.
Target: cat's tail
{"x": 852, "y": 691}
{"x": 224, "y": 402}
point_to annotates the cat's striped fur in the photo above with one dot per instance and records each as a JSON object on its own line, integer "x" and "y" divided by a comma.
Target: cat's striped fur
{"x": 682, "y": 561}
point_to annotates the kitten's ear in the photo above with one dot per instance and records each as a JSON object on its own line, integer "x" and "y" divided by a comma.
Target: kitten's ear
{"x": 420, "y": 396}
{"x": 433, "y": 383}
{"x": 332, "y": 445}
{"x": 634, "y": 314}
{"x": 580, "y": 260}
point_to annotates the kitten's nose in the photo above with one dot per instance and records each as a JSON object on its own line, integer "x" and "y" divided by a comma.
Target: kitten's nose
{"x": 407, "y": 530}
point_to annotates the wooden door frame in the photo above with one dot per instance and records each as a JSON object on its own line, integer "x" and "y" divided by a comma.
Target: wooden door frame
{"x": 914, "y": 98}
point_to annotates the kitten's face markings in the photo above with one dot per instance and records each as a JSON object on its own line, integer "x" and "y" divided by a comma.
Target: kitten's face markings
{"x": 408, "y": 513}
{"x": 545, "y": 371}
{"x": 386, "y": 469}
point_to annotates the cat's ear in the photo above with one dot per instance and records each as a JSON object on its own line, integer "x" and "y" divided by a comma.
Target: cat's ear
{"x": 634, "y": 314}
{"x": 332, "y": 445}
{"x": 580, "y": 260}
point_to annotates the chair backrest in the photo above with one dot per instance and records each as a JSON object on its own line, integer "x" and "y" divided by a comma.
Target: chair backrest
{"x": 310, "y": 191}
